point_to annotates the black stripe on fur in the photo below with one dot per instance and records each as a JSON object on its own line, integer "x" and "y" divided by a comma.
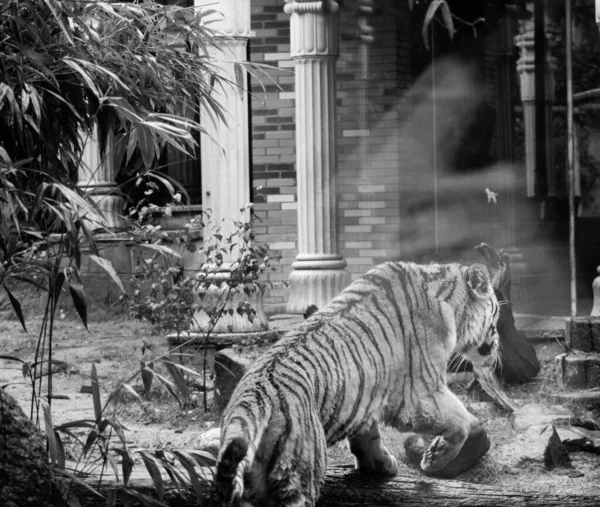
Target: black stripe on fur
{"x": 227, "y": 469}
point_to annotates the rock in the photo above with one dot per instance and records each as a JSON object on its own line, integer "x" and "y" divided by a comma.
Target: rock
{"x": 581, "y": 398}
{"x": 209, "y": 441}
{"x": 578, "y": 370}
{"x": 579, "y": 439}
{"x": 534, "y": 414}
{"x": 230, "y": 366}
{"x": 25, "y": 475}
{"x": 538, "y": 445}
{"x": 477, "y": 445}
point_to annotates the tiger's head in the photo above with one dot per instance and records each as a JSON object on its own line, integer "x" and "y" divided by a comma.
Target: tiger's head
{"x": 480, "y": 343}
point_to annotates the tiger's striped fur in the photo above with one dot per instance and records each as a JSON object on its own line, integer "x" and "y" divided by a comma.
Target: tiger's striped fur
{"x": 377, "y": 353}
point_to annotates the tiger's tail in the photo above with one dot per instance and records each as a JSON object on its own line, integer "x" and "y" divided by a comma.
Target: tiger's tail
{"x": 236, "y": 458}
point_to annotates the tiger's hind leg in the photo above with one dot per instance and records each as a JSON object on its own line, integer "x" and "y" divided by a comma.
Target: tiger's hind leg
{"x": 444, "y": 416}
{"x": 296, "y": 478}
{"x": 372, "y": 457}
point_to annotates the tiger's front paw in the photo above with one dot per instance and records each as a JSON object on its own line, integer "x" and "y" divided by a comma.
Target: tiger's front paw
{"x": 436, "y": 455}
{"x": 382, "y": 464}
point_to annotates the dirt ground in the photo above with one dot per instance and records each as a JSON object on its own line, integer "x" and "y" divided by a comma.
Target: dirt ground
{"x": 117, "y": 345}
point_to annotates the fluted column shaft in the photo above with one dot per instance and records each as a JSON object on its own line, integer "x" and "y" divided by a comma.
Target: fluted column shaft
{"x": 319, "y": 272}
{"x": 96, "y": 175}
{"x": 225, "y": 146}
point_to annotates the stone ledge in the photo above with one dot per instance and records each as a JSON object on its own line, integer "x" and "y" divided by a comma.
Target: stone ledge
{"x": 578, "y": 397}
{"x": 578, "y": 370}
{"x": 278, "y": 324}
{"x": 224, "y": 340}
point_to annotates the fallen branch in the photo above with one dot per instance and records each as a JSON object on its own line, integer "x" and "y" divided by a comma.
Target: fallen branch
{"x": 345, "y": 487}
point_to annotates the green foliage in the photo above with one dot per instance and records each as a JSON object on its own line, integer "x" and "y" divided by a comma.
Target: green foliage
{"x": 168, "y": 296}
{"x": 136, "y": 75}
{"x": 138, "y": 71}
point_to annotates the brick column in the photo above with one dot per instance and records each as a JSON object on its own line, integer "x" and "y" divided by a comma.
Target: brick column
{"x": 97, "y": 177}
{"x": 319, "y": 272}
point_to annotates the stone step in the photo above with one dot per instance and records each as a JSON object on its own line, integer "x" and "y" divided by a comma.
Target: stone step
{"x": 583, "y": 333}
{"x": 580, "y": 398}
{"x": 578, "y": 370}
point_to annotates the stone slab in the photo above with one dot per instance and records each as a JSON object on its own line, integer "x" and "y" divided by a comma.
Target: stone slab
{"x": 535, "y": 414}
{"x": 230, "y": 366}
{"x": 537, "y": 445}
{"x": 578, "y": 398}
{"x": 578, "y": 370}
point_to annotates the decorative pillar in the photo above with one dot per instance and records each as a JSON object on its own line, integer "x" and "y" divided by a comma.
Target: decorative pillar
{"x": 225, "y": 155}
{"x": 96, "y": 176}
{"x": 225, "y": 149}
{"x": 526, "y": 69}
{"x": 319, "y": 272}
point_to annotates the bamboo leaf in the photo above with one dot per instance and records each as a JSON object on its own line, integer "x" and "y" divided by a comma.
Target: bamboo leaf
{"x": 178, "y": 379}
{"x": 56, "y": 286}
{"x": 78, "y": 296}
{"x": 146, "y": 145}
{"x": 132, "y": 391}
{"x": 119, "y": 430}
{"x": 203, "y": 458}
{"x": 79, "y": 423}
{"x": 73, "y": 477}
{"x": 52, "y": 445}
{"x": 165, "y": 250}
{"x": 127, "y": 463}
{"x": 189, "y": 464}
{"x": 12, "y": 358}
{"x": 62, "y": 459}
{"x": 96, "y": 394}
{"x": 168, "y": 386}
{"x": 16, "y": 307}
{"x": 83, "y": 73}
{"x": 147, "y": 374}
{"x": 155, "y": 475}
{"x": 107, "y": 266}
{"x": 90, "y": 441}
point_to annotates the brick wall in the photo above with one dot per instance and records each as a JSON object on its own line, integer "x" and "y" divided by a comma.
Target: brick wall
{"x": 371, "y": 111}
{"x": 369, "y": 141}
{"x": 273, "y": 139}
{"x": 388, "y": 204}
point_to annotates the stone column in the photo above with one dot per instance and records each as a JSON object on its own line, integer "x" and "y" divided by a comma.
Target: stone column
{"x": 225, "y": 154}
{"x": 96, "y": 175}
{"x": 526, "y": 69}
{"x": 319, "y": 272}
{"x": 225, "y": 150}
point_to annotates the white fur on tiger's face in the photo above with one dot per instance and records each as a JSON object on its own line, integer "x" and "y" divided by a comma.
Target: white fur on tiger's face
{"x": 377, "y": 353}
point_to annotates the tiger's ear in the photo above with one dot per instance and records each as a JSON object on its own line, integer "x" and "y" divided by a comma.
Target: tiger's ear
{"x": 478, "y": 280}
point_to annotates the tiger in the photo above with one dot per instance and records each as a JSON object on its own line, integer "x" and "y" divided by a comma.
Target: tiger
{"x": 376, "y": 354}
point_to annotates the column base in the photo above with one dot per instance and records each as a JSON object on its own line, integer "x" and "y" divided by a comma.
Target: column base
{"x": 218, "y": 298}
{"x": 315, "y": 287}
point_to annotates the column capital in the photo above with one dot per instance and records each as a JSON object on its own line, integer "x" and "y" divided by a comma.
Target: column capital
{"x": 306, "y": 6}
{"x": 230, "y": 18}
{"x": 314, "y": 28}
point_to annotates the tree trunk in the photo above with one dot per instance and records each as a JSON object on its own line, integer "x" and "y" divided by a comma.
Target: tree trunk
{"x": 25, "y": 476}
{"x": 518, "y": 361}
{"x": 345, "y": 487}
